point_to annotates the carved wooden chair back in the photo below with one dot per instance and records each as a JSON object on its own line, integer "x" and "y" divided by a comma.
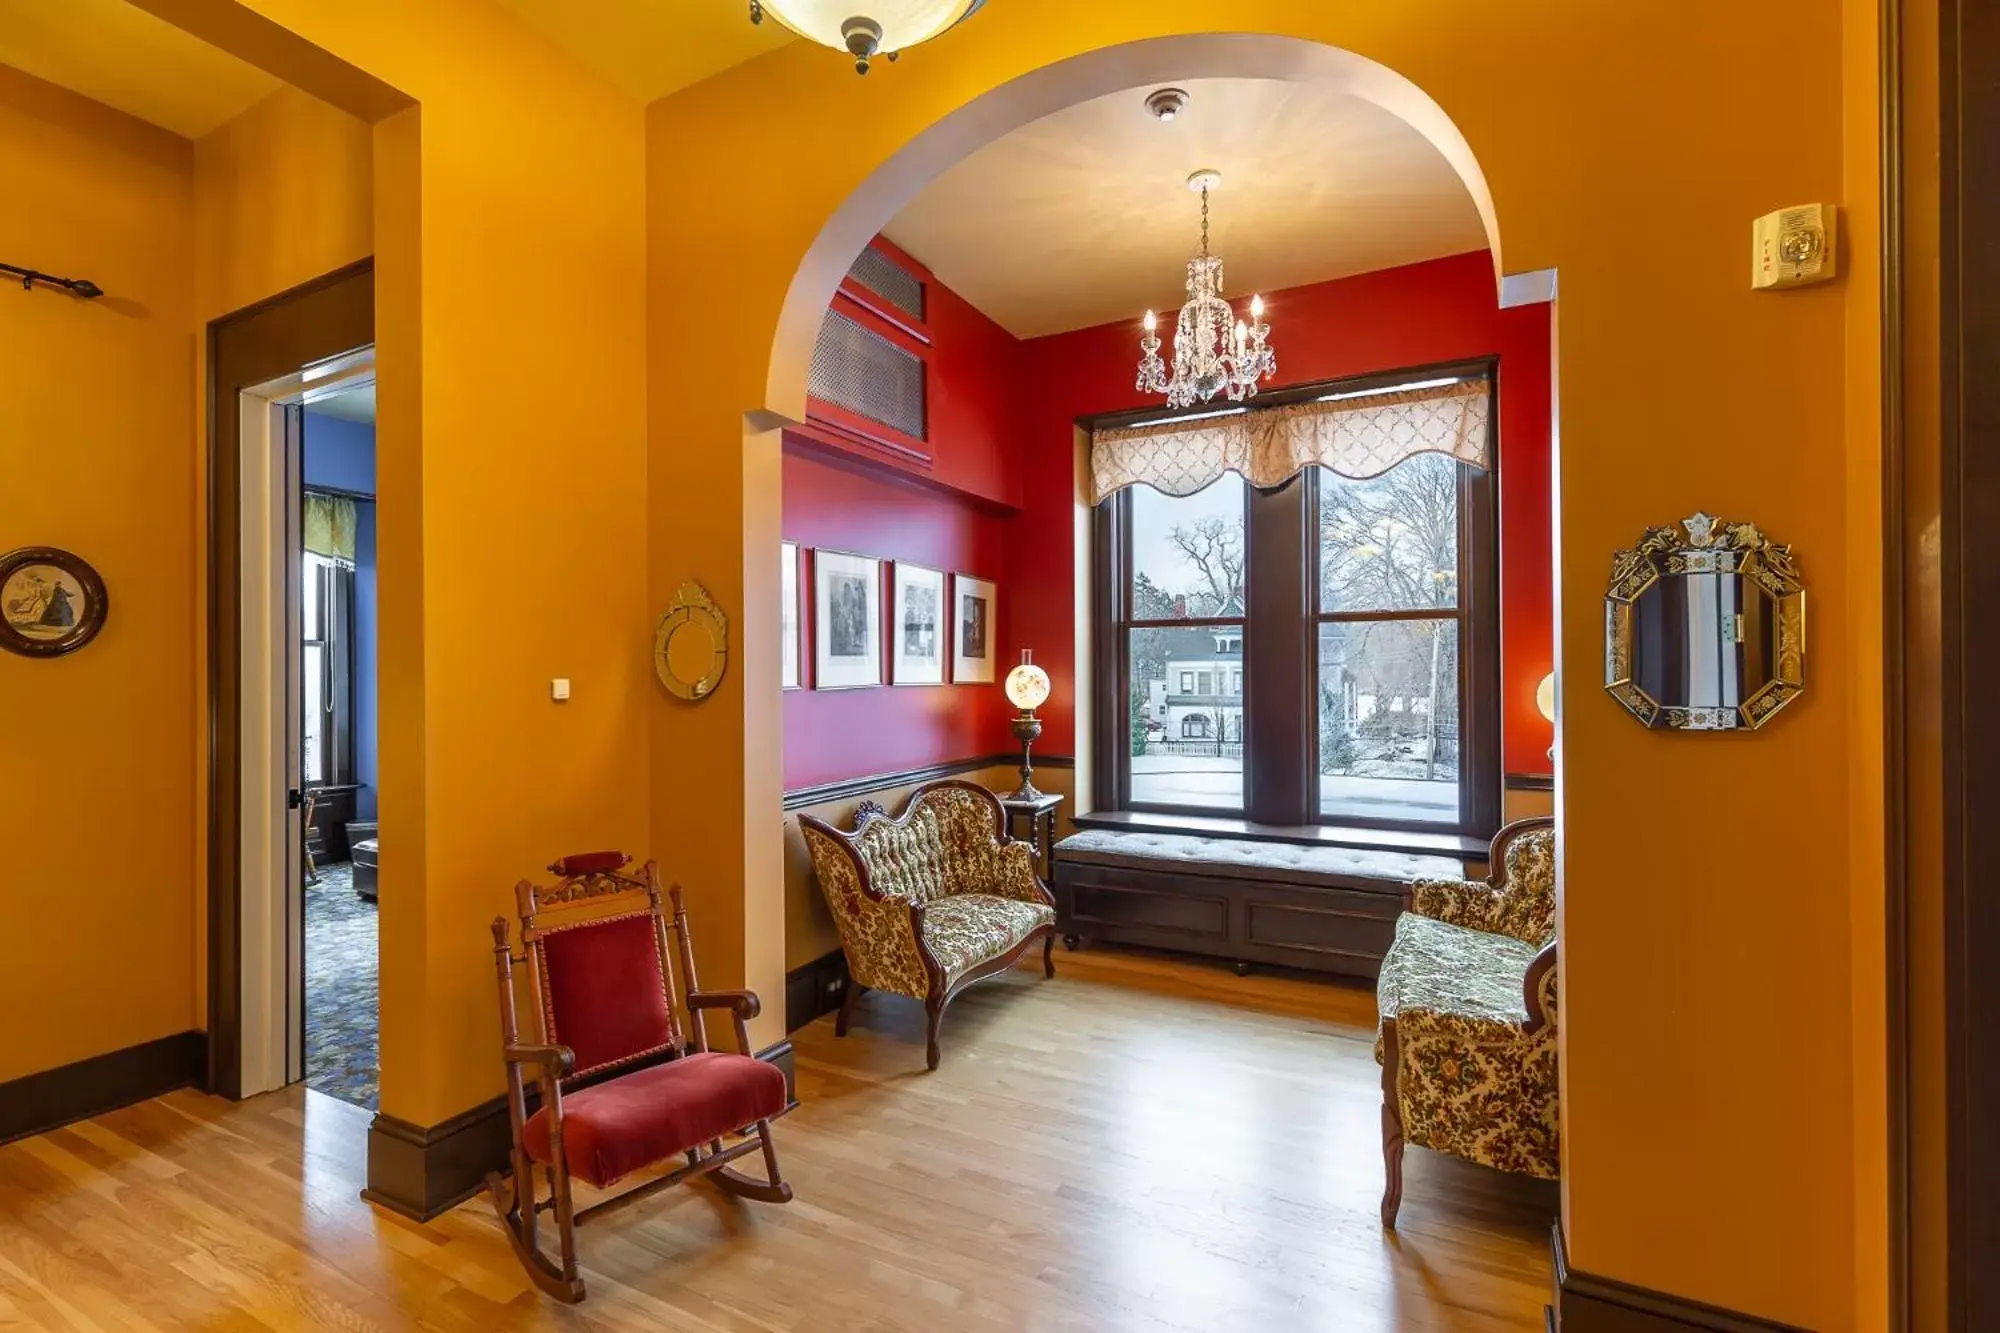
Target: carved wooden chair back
{"x": 603, "y": 982}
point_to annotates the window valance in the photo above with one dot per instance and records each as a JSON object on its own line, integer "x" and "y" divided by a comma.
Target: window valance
{"x": 1360, "y": 434}
{"x": 329, "y": 525}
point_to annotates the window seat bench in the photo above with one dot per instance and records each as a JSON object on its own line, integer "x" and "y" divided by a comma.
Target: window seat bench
{"x": 1320, "y": 908}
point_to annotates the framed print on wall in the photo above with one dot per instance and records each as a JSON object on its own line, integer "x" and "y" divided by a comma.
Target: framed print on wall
{"x": 917, "y": 630}
{"x": 972, "y": 630}
{"x": 847, "y": 621}
{"x": 788, "y": 614}
{"x": 51, "y": 601}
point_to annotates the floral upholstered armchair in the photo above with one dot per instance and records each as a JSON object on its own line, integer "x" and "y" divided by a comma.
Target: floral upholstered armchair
{"x": 1467, "y": 1004}
{"x": 932, "y": 901}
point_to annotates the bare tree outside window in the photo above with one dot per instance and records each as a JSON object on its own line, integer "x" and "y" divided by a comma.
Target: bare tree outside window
{"x": 1388, "y": 642}
{"x": 1186, "y": 644}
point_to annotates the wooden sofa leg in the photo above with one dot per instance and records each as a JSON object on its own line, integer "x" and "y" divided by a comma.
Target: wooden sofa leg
{"x": 934, "y": 1014}
{"x": 1392, "y": 1130}
{"x": 847, "y": 1003}
{"x": 1049, "y": 956}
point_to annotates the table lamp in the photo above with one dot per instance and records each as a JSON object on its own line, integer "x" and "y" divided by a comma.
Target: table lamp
{"x": 1027, "y": 689}
{"x": 1545, "y": 701}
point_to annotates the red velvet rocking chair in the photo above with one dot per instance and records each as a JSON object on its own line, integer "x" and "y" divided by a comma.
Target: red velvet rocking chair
{"x": 604, "y": 986}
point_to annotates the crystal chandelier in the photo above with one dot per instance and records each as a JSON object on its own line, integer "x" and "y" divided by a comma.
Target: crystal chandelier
{"x": 888, "y": 27}
{"x": 1214, "y": 352}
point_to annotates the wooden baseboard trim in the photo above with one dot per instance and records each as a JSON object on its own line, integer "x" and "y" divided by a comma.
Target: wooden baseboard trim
{"x": 800, "y": 797}
{"x": 1588, "y": 1304}
{"x": 52, "y": 1098}
{"x": 815, "y": 989}
{"x": 422, "y": 1171}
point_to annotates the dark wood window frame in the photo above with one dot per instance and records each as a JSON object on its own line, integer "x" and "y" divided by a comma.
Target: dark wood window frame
{"x": 1281, "y": 636}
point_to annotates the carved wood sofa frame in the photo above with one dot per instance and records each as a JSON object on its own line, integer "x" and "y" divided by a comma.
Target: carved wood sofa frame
{"x": 1543, "y": 963}
{"x": 599, "y": 878}
{"x": 939, "y": 994}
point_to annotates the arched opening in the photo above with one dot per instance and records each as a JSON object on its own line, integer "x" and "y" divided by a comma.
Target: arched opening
{"x": 1190, "y": 716}
{"x": 1032, "y": 96}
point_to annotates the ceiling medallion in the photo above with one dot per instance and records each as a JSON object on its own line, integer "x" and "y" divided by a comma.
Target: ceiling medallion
{"x": 1214, "y": 352}
{"x": 889, "y": 29}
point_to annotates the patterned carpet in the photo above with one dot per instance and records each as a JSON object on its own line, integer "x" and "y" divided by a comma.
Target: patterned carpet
{"x": 341, "y": 1021}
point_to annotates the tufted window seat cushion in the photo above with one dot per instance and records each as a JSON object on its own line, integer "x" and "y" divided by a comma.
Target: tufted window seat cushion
{"x": 1316, "y": 907}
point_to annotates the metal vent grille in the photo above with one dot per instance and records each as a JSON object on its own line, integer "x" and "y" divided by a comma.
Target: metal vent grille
{"x": 866, "y": 374}
{"x": 890, "y": 281}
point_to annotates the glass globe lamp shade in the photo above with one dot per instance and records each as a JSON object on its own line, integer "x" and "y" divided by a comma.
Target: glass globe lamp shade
{"x": 1545, "y": 696}
{"x": 1027, "y": 687}
{"x": 866, "y": 28}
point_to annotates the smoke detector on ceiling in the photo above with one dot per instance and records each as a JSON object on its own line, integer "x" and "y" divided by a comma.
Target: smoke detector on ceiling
{"x": 1163, "y": 104}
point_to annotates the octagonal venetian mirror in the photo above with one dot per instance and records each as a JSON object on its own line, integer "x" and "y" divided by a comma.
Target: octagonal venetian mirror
{"x": 691, "y": 646}
{"x": 1705, "y": 627}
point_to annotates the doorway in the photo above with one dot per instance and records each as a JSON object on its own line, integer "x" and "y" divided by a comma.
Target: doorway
{"x": 268, "y": 365}
{"x": 336, "y": 630}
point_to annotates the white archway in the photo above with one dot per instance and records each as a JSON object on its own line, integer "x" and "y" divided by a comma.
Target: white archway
{"x": 1051, "y": 88}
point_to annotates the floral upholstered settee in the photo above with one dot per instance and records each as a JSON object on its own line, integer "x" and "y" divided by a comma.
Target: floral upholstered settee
{"x": 932, "y": 901}
{"x": 1467, "y": 1004}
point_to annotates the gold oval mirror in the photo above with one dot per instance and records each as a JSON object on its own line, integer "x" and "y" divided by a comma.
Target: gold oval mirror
{"x": 691, "y": 647}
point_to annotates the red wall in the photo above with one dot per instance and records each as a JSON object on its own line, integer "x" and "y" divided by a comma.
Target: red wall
{"x": 998, "y": 497}
{"x": 837, "y": 503}
{"x": 1441, "y": 310}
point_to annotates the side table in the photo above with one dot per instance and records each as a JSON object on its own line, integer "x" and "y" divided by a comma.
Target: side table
{"x": 1040, "y": 812}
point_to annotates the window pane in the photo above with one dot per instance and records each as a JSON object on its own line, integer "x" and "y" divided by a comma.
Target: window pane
{"x": 1187, "y": 745}
{"x": 1187, "y": 552}
{"x": 309, "y": 572}
{"x": 1389, "y": 720}
{"x": 1390, "y": 543}
{"x": 312, "y": 748}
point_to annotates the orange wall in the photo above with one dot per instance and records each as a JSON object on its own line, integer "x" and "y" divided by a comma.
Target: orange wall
{"x": 511, "y": 476}
{"x": 96, "y": 868}
{"x": 283, "y": 193}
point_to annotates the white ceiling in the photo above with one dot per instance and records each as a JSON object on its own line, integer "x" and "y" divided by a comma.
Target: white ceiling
{"x": 356, "y": 404}
{"x": 1084, "y": 217}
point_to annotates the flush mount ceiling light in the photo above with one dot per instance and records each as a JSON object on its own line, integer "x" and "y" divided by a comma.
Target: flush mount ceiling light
{"x": 1163, "y": 104}
{"x": 888, "y": 27}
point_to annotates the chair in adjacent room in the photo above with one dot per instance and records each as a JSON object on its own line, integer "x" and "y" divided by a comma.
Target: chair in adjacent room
{"x": 621, "y": 1084}
{"x": 1467, "y": 1004}
{"x": 933, "y": 901}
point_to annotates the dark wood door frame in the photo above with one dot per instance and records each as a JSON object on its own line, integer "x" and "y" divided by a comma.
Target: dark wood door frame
{"x": 324, "y": 318}
{"x": 1969, "y": 366}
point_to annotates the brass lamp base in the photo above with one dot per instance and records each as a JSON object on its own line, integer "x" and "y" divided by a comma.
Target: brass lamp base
{"x": 1027, "y": 730}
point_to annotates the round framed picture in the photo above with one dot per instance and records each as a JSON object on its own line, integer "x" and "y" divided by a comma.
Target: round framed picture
{"x": 51, "y": 602}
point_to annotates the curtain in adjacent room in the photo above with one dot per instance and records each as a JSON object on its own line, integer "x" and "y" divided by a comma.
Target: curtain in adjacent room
{"x": 329, "y": 525}
{"x": 1359, "y": 434}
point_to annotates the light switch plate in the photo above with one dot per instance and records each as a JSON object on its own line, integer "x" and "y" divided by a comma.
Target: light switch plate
{"x": 559, "y": 689}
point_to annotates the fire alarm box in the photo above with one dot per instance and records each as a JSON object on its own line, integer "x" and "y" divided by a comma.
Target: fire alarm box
{"x": 1794, "y": 246}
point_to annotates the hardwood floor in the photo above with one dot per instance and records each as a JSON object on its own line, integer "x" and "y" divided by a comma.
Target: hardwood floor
{"x": 1137, "y": 1145}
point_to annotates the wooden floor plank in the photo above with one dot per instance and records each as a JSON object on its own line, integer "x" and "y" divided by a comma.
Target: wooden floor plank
{"x": 1140, "y": 1144}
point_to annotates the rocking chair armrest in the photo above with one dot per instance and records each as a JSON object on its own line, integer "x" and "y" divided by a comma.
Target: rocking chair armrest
{"x": 744, "y": 1003}
{"x": 560, "y": 1060}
